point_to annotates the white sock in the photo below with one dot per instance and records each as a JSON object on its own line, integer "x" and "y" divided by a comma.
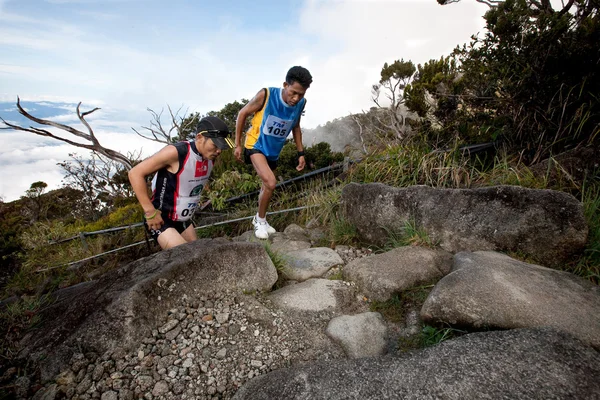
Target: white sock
{"x": 259, "y": 219}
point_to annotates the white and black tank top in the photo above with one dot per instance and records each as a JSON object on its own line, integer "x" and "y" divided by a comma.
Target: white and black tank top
{"x": 177, "y": 194}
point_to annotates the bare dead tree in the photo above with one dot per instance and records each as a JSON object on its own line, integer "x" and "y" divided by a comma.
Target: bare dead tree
{"x": 98, "y": 175}
{"x": 111, "y": 177}
{"x": 94, "y": 144}
{"x": 396, "y": 122}
{"x": 360, "y": 133}
{"x": 158, "y": 133}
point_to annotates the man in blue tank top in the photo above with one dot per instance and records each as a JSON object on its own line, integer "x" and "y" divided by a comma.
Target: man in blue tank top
{"x": 181, "y": 172}
{"x": 277, "y": 113}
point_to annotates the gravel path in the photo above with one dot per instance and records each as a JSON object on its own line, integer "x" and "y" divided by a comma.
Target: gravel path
{"x": 206, "y": 349}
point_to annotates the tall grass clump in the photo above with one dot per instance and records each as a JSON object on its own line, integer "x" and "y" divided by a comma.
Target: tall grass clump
{"x": 406, "y": 165}
{"x": 588, "y": 266}
{"x": 409, "y": 235}
{"x": 343, "y": 232}
{"x": 15, "y": 320}
{"x": 325, "y": 204}
{"x": 431, "y": 336}
{"x": 279, "y": 261}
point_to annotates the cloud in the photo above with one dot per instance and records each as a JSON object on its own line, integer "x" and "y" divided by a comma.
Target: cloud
{"x": 355, "y": 39}
{"x": 31, "y": 158}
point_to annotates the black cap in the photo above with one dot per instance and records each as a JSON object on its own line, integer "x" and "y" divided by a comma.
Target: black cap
{"x": 217, "y": 130}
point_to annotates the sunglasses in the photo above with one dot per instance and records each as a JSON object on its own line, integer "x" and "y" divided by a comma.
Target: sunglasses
{"x": 215, "y": 133}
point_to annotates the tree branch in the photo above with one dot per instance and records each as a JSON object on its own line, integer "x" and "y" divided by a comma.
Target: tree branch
{"x": 91, "y": 137}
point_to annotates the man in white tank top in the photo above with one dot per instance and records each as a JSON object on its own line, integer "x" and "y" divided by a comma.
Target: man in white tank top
{"x": 181, "y": 172}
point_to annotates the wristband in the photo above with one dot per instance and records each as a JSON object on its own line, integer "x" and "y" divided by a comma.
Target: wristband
{"x": 152, "y": 216}
{"x": 301, "y": 153}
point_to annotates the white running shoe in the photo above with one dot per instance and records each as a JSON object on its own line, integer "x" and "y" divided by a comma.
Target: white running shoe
{"x": 270, "y": 229}
{"x": 260, "y": 229}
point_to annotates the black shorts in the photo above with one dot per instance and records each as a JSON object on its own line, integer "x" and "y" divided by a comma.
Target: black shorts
{"x": 248, "y": 152}
{"x": 179, "y": 226}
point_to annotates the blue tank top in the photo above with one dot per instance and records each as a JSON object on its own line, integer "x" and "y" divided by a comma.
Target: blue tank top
{"x": 272, "y": 124}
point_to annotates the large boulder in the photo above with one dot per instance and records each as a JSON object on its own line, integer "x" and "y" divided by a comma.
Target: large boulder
{"x": 314, "y": 295}
{"x": 380, "y": 276}
{"x": 304, "y": 264}
{"x": 515, "y": 364}
{"x": 571, "y": 166}
{"x": 491, "y": 290}
{"x": 126, "y": 304}
{"x": 360, "y": 335}
{"x": 548, "y": 225}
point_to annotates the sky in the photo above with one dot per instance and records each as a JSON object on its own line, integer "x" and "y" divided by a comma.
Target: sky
{"x": 125, "y": 56}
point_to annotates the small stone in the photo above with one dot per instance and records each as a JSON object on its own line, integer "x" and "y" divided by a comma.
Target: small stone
{"x": 65, "y": 378}
{"x": 110, "y": 395}
{"x": 78, "y": 362}
{"x": 84, "y": 385}
{"x": 221, "y": 354}
{"x": 160, "y": 388}
{"x": 125, "y": 394}
{"x": 233, "y": 329}
{"x": 98, "y": 372}
{"x": 116, "y": 375}
{"x": 222, "y": 317}
{"x": 207, "y": 318}
{"x": 141, "y": 354}
{"x": 48, "y": 393}
{"x": 172, "y": 335}
{"x": 172, "y": 323}
{"x": 178, "y": 387}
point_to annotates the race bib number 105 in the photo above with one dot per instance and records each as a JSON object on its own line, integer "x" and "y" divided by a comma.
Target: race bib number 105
{"x": 275, "y": 126}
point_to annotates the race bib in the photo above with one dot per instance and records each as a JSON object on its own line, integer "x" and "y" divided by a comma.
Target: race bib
{"x": 277, "y": 127}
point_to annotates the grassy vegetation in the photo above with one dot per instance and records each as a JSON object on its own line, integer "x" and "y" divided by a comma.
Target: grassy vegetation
{"x": 409, "y": 235}
{"x": 430, "y": 335}
{"x": 588, "y": 266}
{"x": 337, "y": 276}
{"x": 279, "y": 261}
{"x": 16, "y": 319}
{"x": 391, "y": 310}
{"x": 343, "y": 232}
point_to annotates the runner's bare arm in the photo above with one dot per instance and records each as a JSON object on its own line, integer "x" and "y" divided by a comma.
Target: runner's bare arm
{"x": 253, "y": 106}
{"x": 297, "y": 134}
{"x": 165, "y": 158}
